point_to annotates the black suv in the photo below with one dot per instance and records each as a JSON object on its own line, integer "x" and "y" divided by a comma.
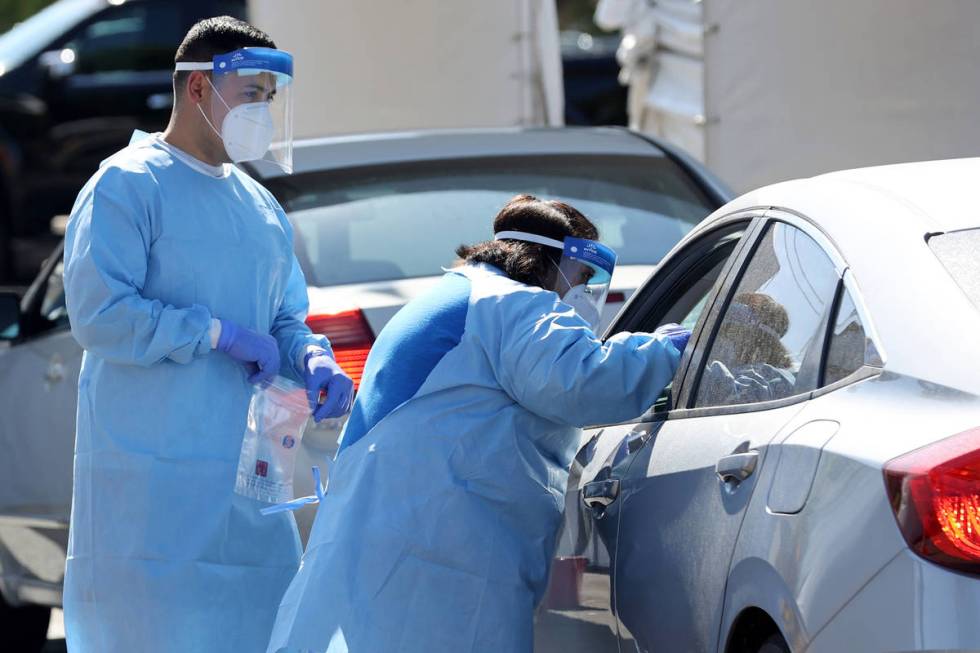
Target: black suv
{"x": 75, "y": 80}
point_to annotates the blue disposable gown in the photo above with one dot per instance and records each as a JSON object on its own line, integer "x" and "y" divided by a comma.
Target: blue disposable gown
{"x": 440, "y": 519}
{"x": 162, "y": 555}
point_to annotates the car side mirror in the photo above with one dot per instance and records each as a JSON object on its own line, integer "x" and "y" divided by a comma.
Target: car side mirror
{"x": 58, "y": 63}
{"x": 9, "y": 316}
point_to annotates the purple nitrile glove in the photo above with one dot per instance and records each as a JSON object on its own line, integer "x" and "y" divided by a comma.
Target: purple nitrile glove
{"x": 677, "y": 335}
{"x": 322, "y": 374}
{"x": 259, "y": 352}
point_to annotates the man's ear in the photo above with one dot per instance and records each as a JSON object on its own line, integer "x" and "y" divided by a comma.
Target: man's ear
{"x": 195, "y": 89}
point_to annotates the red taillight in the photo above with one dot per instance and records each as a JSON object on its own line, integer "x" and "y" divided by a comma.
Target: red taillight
{"x": 935, "y": 493}
{"x": 349, "y": 335}
{"x": 616, "y": 297}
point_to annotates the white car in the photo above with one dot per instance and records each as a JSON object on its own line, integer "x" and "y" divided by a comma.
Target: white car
{"x": 375, "y": 218}
{"x": 811, "y": 481}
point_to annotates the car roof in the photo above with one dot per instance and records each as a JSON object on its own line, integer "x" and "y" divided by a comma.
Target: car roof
{"x": 926, "y": 196}
{"x": 338, "y": 152}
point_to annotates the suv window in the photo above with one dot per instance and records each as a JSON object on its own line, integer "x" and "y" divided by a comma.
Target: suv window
{"x": 849, "y": 349}
{"x": 770, "y": 338}
{"x": 132, "y": 37}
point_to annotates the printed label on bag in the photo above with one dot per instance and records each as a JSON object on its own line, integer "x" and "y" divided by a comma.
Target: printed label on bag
{"x": 288, "y": 441}
{"x": 261, "y": 468}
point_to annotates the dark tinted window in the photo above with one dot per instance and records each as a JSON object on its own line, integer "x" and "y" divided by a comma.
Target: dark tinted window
{"x": 136, "y": 36}
{"x": 770, "y": 339}
{"x": 406, "y": 220}
{"x": 849, "y": 349}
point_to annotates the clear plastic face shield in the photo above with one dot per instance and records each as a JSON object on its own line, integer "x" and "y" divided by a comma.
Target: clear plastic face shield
{"x": 251, "y": 104}
{"x": 583, "y": 273}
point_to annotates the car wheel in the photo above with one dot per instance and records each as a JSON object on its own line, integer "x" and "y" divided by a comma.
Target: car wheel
{"x": 24, "y": 629}
{"x": 775, "y": 644}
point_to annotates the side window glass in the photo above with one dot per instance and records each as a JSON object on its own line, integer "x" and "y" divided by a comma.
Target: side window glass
{"x": 849, "y": 349}
{"x": 53, "y": 306}
{"x": 771, "y": 330}
{"x": 131, "y": 37}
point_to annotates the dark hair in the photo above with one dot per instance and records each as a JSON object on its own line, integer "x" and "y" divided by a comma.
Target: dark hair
{"x": 523, "y": 261}
{"x": 217, "y": 35}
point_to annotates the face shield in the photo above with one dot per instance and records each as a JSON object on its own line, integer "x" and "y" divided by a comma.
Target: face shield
{"x": 251, "y": 104}
{"x": 583, "y": 273}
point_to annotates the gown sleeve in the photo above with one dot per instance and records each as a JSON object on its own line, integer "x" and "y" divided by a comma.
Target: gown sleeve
{"x": 549, "y": 361}
{"x": 289, "y": 327}
{"x": 106, "y": 253}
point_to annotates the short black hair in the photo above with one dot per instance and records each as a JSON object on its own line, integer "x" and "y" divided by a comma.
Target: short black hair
{"x": 523, "y": 261}
{"x": 217, "y": 35}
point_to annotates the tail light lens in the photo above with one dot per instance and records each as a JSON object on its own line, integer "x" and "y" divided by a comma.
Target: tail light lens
{"x": 935, "y": 493}
{"x": 350, "y": 337}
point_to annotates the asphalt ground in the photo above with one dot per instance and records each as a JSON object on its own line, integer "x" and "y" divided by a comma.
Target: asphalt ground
{"x": 588, "y": 628}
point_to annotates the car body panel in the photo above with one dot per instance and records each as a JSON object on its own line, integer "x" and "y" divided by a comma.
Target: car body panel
{"x": 677, "y": 603}
{"x": 38, "y": 404}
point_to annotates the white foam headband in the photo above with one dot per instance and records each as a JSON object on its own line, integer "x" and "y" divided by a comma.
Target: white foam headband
{"x": 530, "y": 238}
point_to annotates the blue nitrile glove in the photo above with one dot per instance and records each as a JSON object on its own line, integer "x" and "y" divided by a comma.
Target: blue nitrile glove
{"x": 322, "y": 374}
{"x": 259, "y": 352}
{"x": 677, "y": 335}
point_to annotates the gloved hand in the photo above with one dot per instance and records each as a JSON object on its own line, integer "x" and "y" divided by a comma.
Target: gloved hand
{"x": 259, "y": 352}
{"x": 677, "y": 335}
{"x": 322, "y": 373}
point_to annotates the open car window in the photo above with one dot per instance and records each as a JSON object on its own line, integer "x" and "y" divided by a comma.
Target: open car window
{"x": 681, "y": 291}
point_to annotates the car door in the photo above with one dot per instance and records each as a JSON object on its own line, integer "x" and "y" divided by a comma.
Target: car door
{"x": 753, "y": 361}
{"x": 38, "y": 397}
{"x": 683, "y": 290}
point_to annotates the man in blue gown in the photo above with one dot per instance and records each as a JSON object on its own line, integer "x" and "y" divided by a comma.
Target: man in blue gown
{"x": 183, "y": 289}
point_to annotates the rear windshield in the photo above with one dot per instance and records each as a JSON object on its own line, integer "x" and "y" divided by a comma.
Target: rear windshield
{"x": 406, "y": 220}
{"x": 959, "y": 252}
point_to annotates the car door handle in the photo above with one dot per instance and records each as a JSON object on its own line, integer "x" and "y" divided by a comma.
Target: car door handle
{"x": 737, "y": 467}
{"x": 597, "y": 495}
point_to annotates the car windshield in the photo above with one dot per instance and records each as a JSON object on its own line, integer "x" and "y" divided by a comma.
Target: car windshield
{"x": 26, "y": 39}
{"x": 957, "y": 251}
{"x": 406, "y": 220}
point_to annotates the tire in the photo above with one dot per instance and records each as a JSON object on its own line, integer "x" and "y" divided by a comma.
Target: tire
{"x": 775, "y": 644}
{"x": 24, "y": 629}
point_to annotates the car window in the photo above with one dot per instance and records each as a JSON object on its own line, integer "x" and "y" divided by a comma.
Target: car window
{"x": 958, "y": 253}
{"x": 53, "y": 306}
{"x": 407, "y": 220}
{"x": 850, "y": 348}
{"x": 686, "y": 303}
{"x": 131, "y": 37}
{"x": 773, "y": 323}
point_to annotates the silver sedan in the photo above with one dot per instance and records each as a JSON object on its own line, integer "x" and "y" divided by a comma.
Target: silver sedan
{"x": 811, "y": 481}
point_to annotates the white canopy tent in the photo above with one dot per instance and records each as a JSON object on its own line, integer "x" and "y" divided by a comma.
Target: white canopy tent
{"x": 376, "y": 65}
{"x": 762, "y": 90}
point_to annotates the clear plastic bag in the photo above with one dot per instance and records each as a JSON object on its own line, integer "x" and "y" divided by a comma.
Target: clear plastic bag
{"x": 277, "y": 417}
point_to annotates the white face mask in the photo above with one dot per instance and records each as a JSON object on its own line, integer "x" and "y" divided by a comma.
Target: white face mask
{"x": 246, "y": 131}
{"x": 579, "y": 298}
